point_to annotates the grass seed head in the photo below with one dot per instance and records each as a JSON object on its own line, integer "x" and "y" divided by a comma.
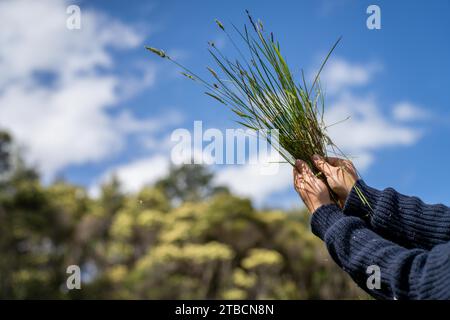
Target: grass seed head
{"x": 159, "y": 52}
{"x": 187, "y": 75}
{"x": 212, "y": 72}
{"x": 220, "y": 24}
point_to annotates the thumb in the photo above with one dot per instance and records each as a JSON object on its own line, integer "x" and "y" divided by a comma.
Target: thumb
{"x": 322, "y": 165}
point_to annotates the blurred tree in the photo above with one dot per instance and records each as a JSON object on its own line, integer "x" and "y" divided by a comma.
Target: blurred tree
{"x": 112, "y": 198}
{"x": 188, "y": 183}
{"x": 5, "y": 145}
{"x": 183, "y": 238}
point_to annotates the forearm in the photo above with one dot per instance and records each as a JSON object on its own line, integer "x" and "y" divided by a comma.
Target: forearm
{"x": 405, "y": 273}
{"x": 404, "y": 220}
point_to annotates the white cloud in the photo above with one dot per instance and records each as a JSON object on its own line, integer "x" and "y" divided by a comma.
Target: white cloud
{"x": 37, "y": 39}
{"x": 254, "y": 180}
{"x": 135, "y": 174}
{"x": 144, "y": 171}
{"x": 367, "y": 128}
{"x": 339, "y": 74}
{"x": 64, "y": 119}
{"x": 63, "y": 127}
{"x": 128, "y": 123}
{"x": 406, "y": 111}
{"x": 361, "y": 159}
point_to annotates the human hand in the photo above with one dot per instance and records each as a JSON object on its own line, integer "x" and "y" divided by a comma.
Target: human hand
{"x": 311, "y": 189}
{"x": 340, "y": 173}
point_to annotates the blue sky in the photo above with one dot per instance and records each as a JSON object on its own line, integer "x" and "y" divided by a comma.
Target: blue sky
{"x": 116, "y": 105}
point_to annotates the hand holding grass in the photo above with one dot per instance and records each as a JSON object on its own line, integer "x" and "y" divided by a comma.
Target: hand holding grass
{"x": 259, "y": 87}
{"x": 311, "y": 189}
{"x": 340, "y": 174}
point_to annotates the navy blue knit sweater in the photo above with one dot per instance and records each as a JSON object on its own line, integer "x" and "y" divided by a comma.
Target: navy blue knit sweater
{"x": 407, "y": 239}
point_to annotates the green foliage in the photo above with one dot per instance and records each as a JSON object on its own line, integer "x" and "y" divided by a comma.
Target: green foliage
{"x": 188, "y": 183}
{"x": 5, "y": 143}
{"x": 262, "y": 258}
{"x": 207, "y": 244}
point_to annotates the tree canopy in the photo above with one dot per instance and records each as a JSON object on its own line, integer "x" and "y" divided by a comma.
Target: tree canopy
{"x": 182, "y": 238}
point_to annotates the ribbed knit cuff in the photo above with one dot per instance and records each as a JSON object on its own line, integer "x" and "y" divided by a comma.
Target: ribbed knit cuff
{"x": 324, "y": 217}
{"x": 354, "y": 206}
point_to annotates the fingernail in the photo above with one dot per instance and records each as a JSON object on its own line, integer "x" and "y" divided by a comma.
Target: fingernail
{"x": 298, "y": 163}
{"x": 316, "y": 157}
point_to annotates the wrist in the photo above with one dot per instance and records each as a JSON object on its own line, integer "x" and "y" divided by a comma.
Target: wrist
{"x": 321, "y": 204}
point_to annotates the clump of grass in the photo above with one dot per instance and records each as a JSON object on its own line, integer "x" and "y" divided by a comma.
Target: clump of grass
{"x": 260, "y": 88}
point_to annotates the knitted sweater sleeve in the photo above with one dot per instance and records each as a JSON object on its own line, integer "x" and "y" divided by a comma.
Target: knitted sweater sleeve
{"x": 404, "y": 273}
{"x": 404, "y": 220}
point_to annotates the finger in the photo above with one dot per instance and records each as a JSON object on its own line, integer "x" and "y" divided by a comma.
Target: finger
{"x": 302, "y": 168}
{"x": 334, "y": 161}
{"x": 350, "y": 166}
{"x": 304, "y": 178}
{"x": 310, "y": 180}
{"x": 322, "y": 165}
{"x": 305, "y": 192}
{"x": 298, "y": 180}
{"x": 306, "y": 170}
{"x": 338, "y": 162}
{"x": 299, "y": 165}
{"x": 345, "y": 165}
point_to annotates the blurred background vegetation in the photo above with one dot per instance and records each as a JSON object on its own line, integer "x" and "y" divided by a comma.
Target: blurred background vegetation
{"x": 182, "y": 238}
